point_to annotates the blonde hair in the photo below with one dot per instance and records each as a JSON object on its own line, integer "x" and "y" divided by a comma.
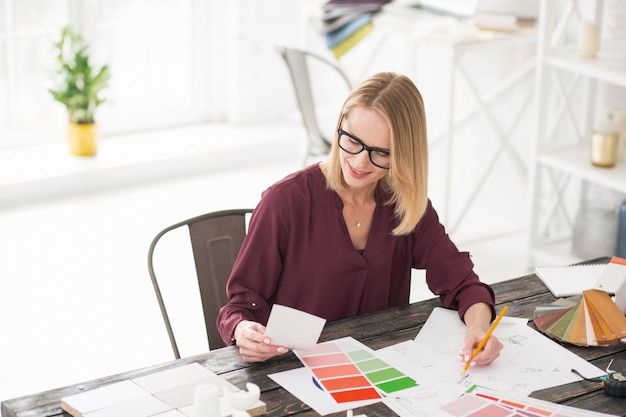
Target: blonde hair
{"x": 400, "y": 103}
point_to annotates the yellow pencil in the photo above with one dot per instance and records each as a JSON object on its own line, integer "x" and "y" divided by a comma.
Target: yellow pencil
{"x": 481, "y": 345}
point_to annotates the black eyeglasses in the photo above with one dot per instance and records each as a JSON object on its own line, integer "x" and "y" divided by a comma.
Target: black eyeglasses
{"x": 353, "y": 145}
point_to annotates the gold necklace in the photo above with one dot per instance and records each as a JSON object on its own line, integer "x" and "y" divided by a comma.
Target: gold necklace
{"x": 358, "y": 222}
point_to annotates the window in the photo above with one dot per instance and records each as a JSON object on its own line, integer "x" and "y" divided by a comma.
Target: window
{"x": 26, "y": 30}
{"x": 173, "y": 63}
{"x": 158, "y": 53}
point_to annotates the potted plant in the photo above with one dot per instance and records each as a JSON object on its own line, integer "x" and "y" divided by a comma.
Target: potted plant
{"x": 78, "y": 88}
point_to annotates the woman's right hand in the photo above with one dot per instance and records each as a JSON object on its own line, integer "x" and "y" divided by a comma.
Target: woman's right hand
{"x": 252, "y": 343}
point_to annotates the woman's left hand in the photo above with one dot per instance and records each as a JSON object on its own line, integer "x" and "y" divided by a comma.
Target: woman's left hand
{"x": 488, "y": 354}
{"x": 477, "y": 320}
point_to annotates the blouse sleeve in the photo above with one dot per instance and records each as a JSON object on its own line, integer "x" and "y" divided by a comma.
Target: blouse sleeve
{"x": 257, "y": 268}
{"x": 449, "y": 272}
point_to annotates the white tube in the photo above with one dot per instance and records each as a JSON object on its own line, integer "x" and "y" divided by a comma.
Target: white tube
{"x": 206, "y": 401}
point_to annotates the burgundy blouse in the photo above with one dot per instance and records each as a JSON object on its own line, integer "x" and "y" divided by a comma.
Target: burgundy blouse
{"x": 298, "y": 253}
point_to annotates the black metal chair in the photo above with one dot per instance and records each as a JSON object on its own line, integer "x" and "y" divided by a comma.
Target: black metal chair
{"x": 304, "y": 67}
{"x": 215, "y": 241}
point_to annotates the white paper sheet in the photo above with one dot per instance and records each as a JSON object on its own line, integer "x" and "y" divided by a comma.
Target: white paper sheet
{"x": 528, "y": 362}
{"x": 421, "y": 401}
{"x": 342, "y": 374}
{"x": 612, "y": 277}
{"x": 620, "y": 299}
{"x": 293, "y": 328}
{"x": 299, "y": 382}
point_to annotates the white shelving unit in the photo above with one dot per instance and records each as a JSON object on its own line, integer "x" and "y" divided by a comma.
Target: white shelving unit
{"x": 465, "y": 121}
{"x": 567, "y": 106}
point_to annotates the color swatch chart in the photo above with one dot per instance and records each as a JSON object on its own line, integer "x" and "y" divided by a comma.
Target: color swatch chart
{"x": 593, "y": 320}
{"x": 350, "y": 371}
{"x": 483, "y": 403}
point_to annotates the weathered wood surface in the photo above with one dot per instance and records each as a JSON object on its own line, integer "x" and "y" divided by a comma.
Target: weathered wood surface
{"x": 376, "y": 330}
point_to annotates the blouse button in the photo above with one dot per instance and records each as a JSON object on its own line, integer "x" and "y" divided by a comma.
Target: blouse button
{"x": 253, "y": 304}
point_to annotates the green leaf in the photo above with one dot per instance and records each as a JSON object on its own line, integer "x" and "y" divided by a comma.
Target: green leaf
{"x": 77, "y": 88}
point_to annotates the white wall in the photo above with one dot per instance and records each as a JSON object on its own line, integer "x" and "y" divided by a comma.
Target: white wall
{"x": 258, "y": 87}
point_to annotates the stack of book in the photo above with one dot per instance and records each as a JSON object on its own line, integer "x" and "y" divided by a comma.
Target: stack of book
{"x": 592, "y": 319}
{"x": 347, "y": 22}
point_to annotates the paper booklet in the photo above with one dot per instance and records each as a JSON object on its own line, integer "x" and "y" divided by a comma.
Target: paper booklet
{"x": 564, "y": 281}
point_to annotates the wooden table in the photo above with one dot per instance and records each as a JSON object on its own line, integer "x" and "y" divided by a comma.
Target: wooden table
{"x": 376, "y": 330}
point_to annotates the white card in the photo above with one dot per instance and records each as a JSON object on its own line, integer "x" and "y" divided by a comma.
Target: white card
{"x": 293, "y": 328}
{"x": 613, "y": 276}
{"x": 620, "y": 298}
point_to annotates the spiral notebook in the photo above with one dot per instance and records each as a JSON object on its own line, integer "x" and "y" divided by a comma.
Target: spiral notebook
{"x": 564, "y": 281}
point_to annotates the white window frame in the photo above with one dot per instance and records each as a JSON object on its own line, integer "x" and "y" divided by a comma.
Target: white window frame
{"x": 207, "y": 86}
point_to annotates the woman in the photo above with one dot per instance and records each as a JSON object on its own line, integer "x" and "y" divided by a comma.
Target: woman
{"x": 339, "y": 238}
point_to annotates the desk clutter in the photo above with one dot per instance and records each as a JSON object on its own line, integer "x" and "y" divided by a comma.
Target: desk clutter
{"x": 592, "y": 319}
{"x": 481, "y": 402}
{"x": 532, "y": 373}
{"x": 588, "y": 315}
{"x": 188, "y": 390}
{"x": 418, "y": 377}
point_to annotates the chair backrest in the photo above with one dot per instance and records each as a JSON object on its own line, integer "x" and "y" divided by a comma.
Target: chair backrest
{"x": 299, "y": 62}
{"x": 215, "y": 241}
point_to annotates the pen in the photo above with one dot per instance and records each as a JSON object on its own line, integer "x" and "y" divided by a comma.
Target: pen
{"x": 481, "y": 345}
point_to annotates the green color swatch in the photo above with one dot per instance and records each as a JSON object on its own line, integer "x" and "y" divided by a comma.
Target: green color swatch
{"x": 360, "y": 355}
{"x": 397, "y": 384}
{"x": 371, "y": 365}
{"x": 384, "y": 375}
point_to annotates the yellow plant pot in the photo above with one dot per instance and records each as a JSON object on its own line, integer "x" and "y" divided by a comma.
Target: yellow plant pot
{"x": 82, "y": 138}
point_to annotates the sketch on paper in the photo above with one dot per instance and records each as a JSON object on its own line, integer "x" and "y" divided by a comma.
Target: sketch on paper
{"x": 528, "y": 361}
